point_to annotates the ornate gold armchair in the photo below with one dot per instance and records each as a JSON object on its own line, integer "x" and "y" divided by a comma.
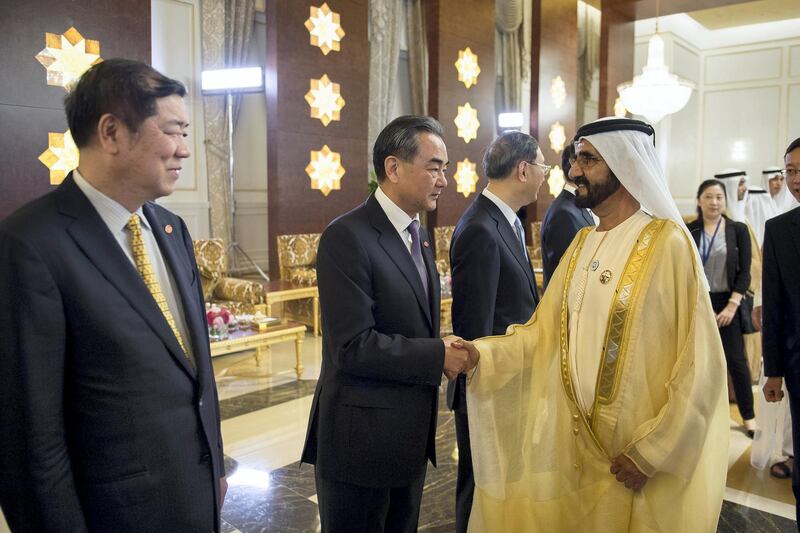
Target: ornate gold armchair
{"x": 442, "y": 237}
{"x": 239, "y": 295}
{"x": 297, "y": 260}
{"x": 535, "y": 253}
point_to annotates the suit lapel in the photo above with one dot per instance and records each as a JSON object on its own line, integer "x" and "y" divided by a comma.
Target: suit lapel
{"x": 92, "y": 236}
{"x": 174, "y": 254}
{"x": 396, "y": 249}
{"x": 508, "y": 236}
{"x": 587, "y": 216}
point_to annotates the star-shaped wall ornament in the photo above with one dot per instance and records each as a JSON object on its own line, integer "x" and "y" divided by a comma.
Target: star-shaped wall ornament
{"x": 325, "y": 99}
{"x": 558, "y": 92}
{"x": 325, "y": 170}
{"x": 557, "y": 136}
{"x": 556, "y": 180}
{"x": 467, "y": 67}
{"x": 467, "y": 122}
{"x": 466, "y": 177}
{"x": 61, "y": 156}
{"x": 325, "y": 29}
{"x": 67, "y": 56}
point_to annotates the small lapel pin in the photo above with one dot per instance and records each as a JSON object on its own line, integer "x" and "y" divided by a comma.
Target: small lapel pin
{"x": 168, "y": 228}
{"x": 426, "y": 244}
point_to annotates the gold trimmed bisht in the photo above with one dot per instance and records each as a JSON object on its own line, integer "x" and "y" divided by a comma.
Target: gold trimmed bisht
{"x": 542, "y": 464}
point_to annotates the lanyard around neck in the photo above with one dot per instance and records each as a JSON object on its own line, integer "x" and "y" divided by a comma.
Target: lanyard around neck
{"x": 705, "y": 251}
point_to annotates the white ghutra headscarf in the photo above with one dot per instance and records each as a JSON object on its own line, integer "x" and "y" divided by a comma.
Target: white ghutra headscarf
{"x": 628, "y": 148}
{"x": 731, "y": 178}
{"x": 784, "y": 201}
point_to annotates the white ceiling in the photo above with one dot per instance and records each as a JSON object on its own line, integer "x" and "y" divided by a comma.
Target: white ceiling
{"x": 756, "y": 12}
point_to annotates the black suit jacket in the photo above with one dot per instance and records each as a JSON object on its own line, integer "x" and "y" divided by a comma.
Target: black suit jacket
{"x": 781, "y": 299}
{"x": 373, "y": 417}
{"x": 493, "y": 283}
{"x": 739, "y": 252}
{"x": 562, "y": 221}
{"x": 105, "y": 426}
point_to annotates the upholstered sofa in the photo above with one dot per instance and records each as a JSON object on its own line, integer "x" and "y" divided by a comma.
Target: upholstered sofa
{"x": 239, "y": 295}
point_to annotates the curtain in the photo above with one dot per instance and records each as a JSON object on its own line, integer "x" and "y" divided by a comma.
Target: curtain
{"x": 384, "y": 55}
{"x": 227, "y": 26}
{"x": 508, "y": 23}
{"x": 417, "y": 56}
{"x": 588, "y": 53}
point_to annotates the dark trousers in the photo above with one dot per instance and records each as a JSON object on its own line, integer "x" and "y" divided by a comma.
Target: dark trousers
{"x": 465, "y": 482}
{"x": 733, "y": 344}
{"x": 348, "y": 508}
{"x": 792, "y": 380}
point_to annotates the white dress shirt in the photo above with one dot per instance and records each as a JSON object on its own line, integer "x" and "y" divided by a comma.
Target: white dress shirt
{"x": 116, "y": 217}
{"x": 399, "y": 218}
{"x": 509, "y": 213}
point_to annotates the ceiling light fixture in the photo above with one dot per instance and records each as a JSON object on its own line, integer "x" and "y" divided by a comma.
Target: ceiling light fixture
{"x": 656, "y": 92}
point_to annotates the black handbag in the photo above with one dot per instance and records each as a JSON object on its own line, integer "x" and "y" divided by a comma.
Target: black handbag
{"x": 746, "y": 314}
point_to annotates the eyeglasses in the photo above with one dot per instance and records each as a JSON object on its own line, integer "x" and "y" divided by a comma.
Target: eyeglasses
{"x": 587, "y": 160}
{"x": 790, "y": 172}
{"x": 545, "y": 168}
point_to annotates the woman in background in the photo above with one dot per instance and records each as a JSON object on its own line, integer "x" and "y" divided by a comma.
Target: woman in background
{"x": 725, "y": 250}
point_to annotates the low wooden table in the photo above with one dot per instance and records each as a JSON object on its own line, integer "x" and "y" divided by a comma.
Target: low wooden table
{"x": 278, "y": 291}
{"x": 260, "y": 341}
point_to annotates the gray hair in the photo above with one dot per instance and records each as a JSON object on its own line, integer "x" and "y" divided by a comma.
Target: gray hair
{"x": 506, "y": 152}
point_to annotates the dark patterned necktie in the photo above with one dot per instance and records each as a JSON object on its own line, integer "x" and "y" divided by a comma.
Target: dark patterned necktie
{"x": 416, "y": 253}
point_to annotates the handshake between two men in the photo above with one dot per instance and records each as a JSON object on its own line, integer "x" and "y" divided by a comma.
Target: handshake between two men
{"x": 460, "y": 356}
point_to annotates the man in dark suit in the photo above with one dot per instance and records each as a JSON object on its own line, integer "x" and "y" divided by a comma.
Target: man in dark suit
{"x": 373, "y": 418}
{"x": 110, "y": 418}
{"x": 781, "y": 306}
{"x": 563, "y": 219}
{"x": 493, "y": 283}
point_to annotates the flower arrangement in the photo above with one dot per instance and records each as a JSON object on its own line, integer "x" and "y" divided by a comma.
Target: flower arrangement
{"x": 220, "y": 321}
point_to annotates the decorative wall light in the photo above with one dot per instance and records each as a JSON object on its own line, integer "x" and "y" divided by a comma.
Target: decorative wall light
{"x": 556, "y": 181}
{"x": 67, "y": 56}
{"x": 467, "y": 122}
{"x": 467, "y": 67}
{"x": 558, "y": 92}
{"x": 619, "y": 108}
{"x": 61, "y": 156}
{"x": 466, "y": 177}
{"x": 557, "y": 136}
{"x": 325, "y": 99}
{"x": 325, "y": 170}
{"x": 325, "y": 29}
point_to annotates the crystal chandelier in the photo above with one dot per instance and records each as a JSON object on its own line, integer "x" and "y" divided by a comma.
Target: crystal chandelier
{"x": 656, "y": 92}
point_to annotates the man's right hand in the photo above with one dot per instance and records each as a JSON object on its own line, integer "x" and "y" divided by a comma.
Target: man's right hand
{"x": 756, "y": 317}
{"x": 474, "y": 354}
{"x": 773, "y": 389}
{"x": 456, "y": 358}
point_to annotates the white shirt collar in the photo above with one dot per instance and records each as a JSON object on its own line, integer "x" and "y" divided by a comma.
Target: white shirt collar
{"x": 114, "y": 214}
{"x": 570, "y": 188}
{"x": 399, "y": 218}
{"x": 509, "y": 213}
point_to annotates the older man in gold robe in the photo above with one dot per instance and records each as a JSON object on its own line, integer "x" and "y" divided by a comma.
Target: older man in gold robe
{"x": 608, "y": 410}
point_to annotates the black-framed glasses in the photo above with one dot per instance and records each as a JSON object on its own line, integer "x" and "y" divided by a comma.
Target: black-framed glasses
{"x": 790, "y": 172}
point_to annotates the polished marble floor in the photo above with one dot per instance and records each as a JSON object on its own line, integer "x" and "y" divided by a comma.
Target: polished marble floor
{"x": 265, "y": 411}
